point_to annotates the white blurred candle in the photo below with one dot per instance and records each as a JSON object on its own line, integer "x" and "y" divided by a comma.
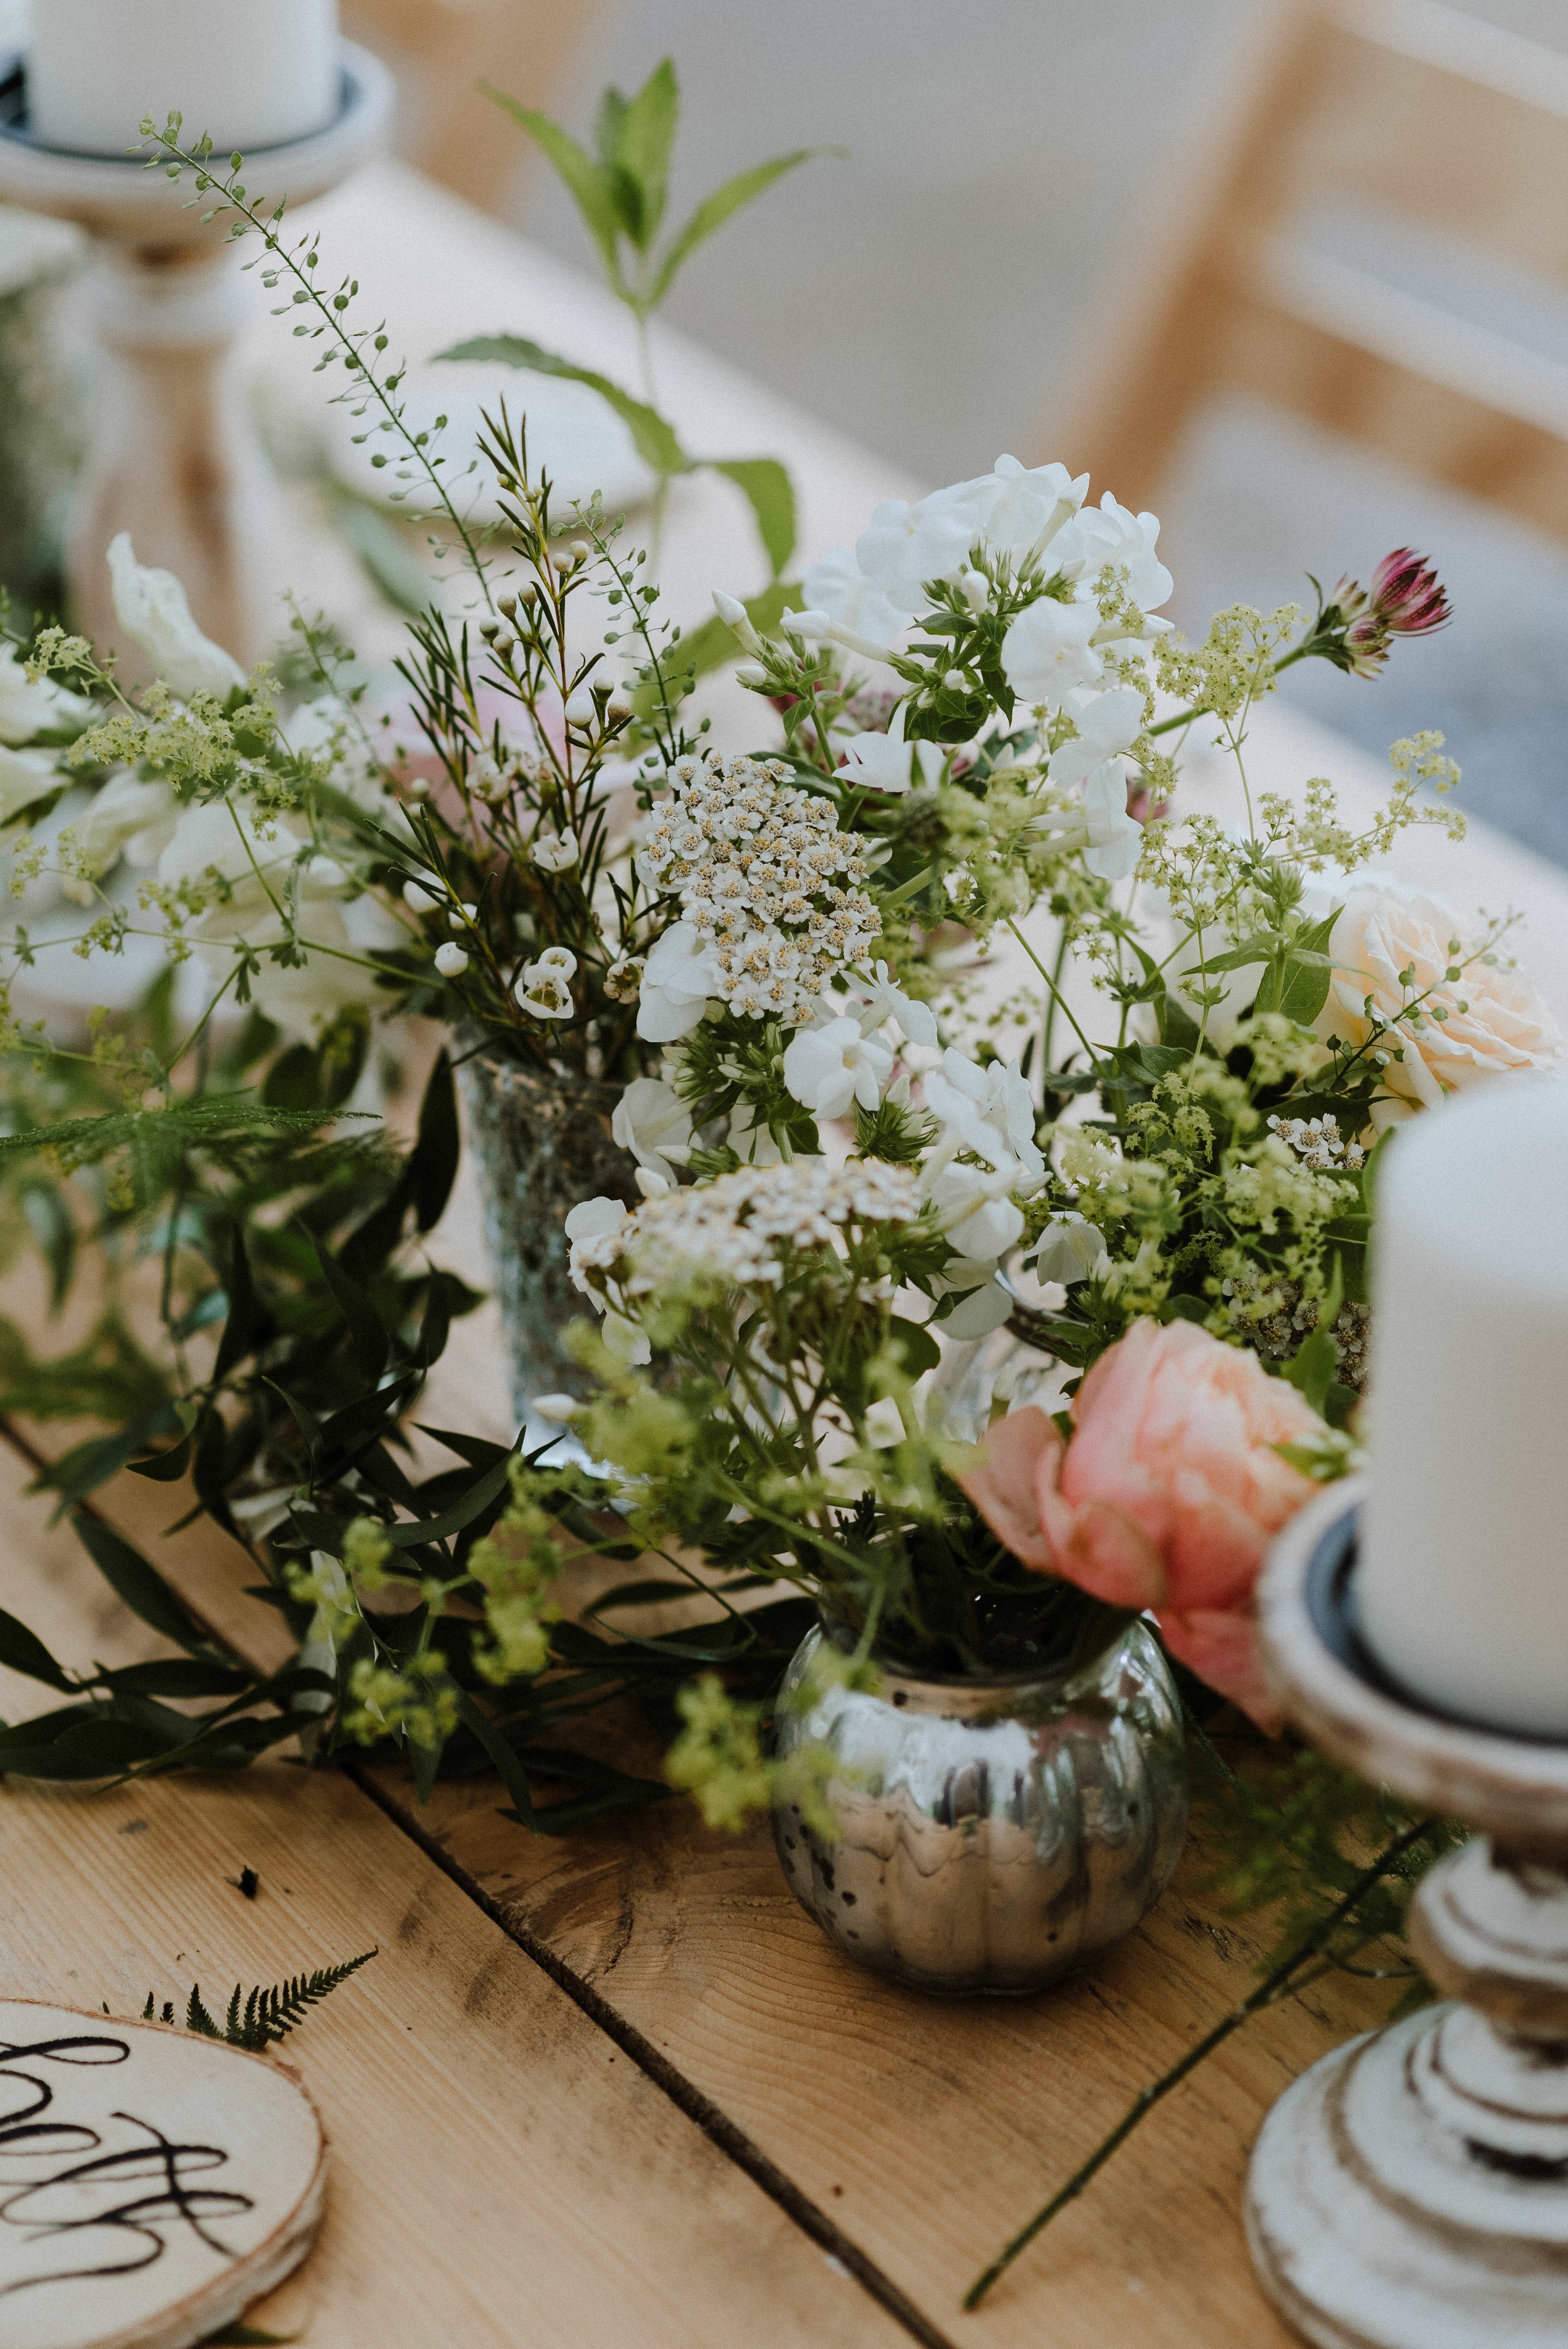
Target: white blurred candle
{"x": 254, "y": 73}
{"x": 1462, "y": 1582}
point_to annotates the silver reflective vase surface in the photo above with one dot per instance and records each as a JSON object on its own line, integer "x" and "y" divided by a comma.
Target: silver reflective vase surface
{"x": 992, "y": 1835}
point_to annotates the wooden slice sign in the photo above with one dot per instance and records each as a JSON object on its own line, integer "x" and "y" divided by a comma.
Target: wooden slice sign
{"x": 153, "y": 2183}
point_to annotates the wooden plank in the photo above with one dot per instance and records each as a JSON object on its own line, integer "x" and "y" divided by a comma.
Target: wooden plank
{"x": 503, "y": 2174}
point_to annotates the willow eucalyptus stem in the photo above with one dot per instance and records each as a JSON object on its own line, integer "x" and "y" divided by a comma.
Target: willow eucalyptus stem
{"x": 1273, "y": 1986}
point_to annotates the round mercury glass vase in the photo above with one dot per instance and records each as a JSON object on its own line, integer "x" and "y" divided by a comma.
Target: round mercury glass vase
{"x": 541, "y": 1144}
{"x": 993, "y": 1835}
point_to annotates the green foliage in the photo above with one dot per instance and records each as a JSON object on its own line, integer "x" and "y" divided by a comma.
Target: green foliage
{"x": 266, "y": 2017}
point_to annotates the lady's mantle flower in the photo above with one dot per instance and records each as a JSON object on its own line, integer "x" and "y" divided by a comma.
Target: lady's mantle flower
{"x": 555, "y": 852}
{"x": 828, "y": 1068}
{"x": 545, "y": 987}
{"x": 882, "y": 761}
{"x": 1405, "y": 599}
{"x": 767, "y": 885}
{"x": 653, "y": 1122}
{"x": 152, "y": 610}
{"x": 1108, "y": 537}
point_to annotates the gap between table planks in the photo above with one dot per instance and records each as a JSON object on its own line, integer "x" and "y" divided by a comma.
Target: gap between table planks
{"x": 502, "y": 2173}
{"x": 926, "y": 2131}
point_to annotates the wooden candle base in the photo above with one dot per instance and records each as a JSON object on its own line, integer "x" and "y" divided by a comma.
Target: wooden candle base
{"x": 1411, "y": 2190}
{"x": 174, "y": 458}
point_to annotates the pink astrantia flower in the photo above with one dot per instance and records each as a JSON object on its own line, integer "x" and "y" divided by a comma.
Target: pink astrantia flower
{"x": 1406, "y": 599}
{"x": 1167, "y": 1497}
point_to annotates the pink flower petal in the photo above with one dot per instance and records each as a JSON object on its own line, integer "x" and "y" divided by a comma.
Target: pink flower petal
{"x": 1020, "y": 1453}
{"x": 1220, "y": 1645}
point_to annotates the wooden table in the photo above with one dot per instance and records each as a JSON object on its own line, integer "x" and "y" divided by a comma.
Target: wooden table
{"x": 616, "y": 2090}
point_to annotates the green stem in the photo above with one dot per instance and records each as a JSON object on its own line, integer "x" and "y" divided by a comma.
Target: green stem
{"x": 1273, "y": 1986}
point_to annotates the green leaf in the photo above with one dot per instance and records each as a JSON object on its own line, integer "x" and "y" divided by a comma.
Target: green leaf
{"x": 586, "y": 184}
{"x": 720, "y": 206}
{"x": 367, "y": 1336}
{"x": 142, "y": 1588}
{"x": 655, "y": 440}
{"x": 164, "y": 1467}
{"x": 1309, "y": 973}
{"x": 79, "y": 1470}
{"x": 479, "y": 1494}
{"x": 766, "y": 485}
{"x": 433, "y": 1164}
{"x": 22, "y": 1650}
{"x": 246, "y": 1317}
{"x": 512, "y": 1774}
{"x": 918, "y": 1347}
{"x": 643, "y": 130}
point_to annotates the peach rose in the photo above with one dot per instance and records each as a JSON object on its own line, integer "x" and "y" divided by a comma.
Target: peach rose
{"x": 1483, "y": 1023}
{"x": 1168, "y": 1495}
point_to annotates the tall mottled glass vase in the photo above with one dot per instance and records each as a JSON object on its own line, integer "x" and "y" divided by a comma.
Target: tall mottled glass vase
{"x": 542, "y": 1142}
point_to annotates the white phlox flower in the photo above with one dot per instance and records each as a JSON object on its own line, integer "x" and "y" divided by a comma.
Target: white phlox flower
{"x": 1109, "y": 724}
{"x": 653, "y": 1124}
{"x": 1069, "y": 1248}
{"x": 1021, "y": 509}
{"x": 27, "y": 707}
{"x": 828, "y": 1068}
{"x": 555, "y": 852}
{"x": 883, "y": 761}
{"x": 1110, "y": 534}
{"x": 152, "y": 610}
{"x": 974, "y": 1206}
{"x": 25, "y": 776}
{"x": 990, "y": 1112}
{"x": 127, "y": 814}
{"x": 545, "y": 987}
{"x": 916, "y": 1022}
{"x": 1048, "y": 652}
{"x": 902, "y": 545}
{"x": 841, "y": 593}
{"x": 678, "y": 978}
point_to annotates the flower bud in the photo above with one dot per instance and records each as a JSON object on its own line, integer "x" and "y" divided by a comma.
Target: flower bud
{"x": 580, "y": 708}
{"x": 451, "y": 960}
{"x": 751, "y": 674}
{"x": 734, "y": 614}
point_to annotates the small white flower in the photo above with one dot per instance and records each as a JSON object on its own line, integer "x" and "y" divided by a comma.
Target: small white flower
{"x": 734, "y": 614}
{"x": 580, "y": 708}
{"x": 1109, "y": 724}
{"x": 1049, "y": 651}
{"x": 828, "y": 1068}
{"x": 916, "y": 1022}
{"x": 461, "y": 914}
{"x": 883, "y": 762}
{"x": 841, "y": 593}
{"x": 975, "y": 1211}
{"x": 591, "y": 1218}
{"x": 989, "y": 1110}
{"x": 545, "y": 988}
{"x": 26, "y": 709}
{"x": 903, "y": 546}
{"x": 1110, "y": 534}
{"x": 451, "y": 960}
{"x": 652, "y": 1186}
{"x": 653, "y": 1124}
{"x": 559, "y": 1410}
{"x": 421, "y": 895}
{"x": 487, "y": 781}
{"x": 1069, "y": 1248}
{"x": 151, "y": 608}
{"x": 555, "y": 852}
{"x": 679, "y": 975}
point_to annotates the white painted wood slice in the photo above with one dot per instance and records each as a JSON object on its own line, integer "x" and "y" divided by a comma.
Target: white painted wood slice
{"x": 153, "y": 2183}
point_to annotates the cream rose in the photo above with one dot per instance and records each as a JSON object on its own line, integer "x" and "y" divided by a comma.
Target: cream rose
{"x": 1489, "y": 1019}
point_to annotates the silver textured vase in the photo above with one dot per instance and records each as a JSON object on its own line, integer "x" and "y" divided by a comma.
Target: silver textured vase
{"x": 993, "y": 1835}
{"x": 542, "y": 1142}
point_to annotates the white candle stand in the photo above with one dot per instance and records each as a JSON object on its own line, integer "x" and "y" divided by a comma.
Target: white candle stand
{"x": 1411, "y": 2190}
{"x": 174, "y": 458}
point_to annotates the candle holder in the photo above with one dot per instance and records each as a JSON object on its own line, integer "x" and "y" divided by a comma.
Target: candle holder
{"x": 1411, "y": 2190}
{"x": 174, "y": 458}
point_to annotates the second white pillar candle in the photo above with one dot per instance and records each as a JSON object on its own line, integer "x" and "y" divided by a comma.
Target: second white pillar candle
{"x": 1462, "y": 1582}
{"x": 254, "y": 73}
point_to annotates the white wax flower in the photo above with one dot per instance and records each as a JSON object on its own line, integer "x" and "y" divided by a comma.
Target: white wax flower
{"x": 27, "y": 708}
{"x": 419, "y": 897}
{"x": 828, "y": 1068}
{"x": 451, "y": 960}
{"x": 680, "y": 974}
{"x": 152, "y": 609}
{"x": 883, "y": 762}
{"x": 1049, "y": 651}
{"x": 591, "y": 1219}
{"x": 1488, "y": 1020}
{"x": 651, "y": 1120}
{"x": 545, "y": 986}
{"x": 555, "y": 852}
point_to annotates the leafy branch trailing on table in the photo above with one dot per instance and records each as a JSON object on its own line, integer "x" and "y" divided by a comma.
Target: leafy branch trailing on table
{"x": 267, "y": 2016}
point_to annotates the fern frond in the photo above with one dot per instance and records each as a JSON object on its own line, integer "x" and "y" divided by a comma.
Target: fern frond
{"x": 149, "y": 2012}
{"x": 270, "y": 2016}
{"x": 197, "y": 2017}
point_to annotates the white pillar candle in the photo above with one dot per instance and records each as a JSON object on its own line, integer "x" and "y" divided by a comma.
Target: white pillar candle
{"x": 1462, "y": 1582}
{"x": 254, "y": 73}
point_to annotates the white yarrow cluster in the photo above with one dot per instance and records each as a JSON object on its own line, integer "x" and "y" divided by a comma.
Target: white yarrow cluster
{"x": 739, "y": 1229}
{"x": 769, "y": 891}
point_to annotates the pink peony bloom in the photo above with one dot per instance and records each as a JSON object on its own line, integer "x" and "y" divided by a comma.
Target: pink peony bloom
{"x": 1167, "y": 1496}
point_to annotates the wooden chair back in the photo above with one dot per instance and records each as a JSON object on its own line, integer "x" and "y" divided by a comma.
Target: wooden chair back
{"x": 1374, "y": 234}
